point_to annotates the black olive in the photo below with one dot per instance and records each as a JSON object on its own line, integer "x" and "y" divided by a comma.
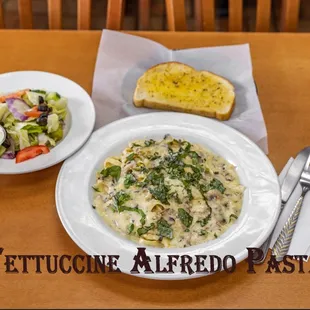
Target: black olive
{"x": 42, "y": 120}
{"x": 50, "y": 109}
{"x": 42, "y": 107}
{"x": 41, "y": 99}
{"x": 6, "y": 143}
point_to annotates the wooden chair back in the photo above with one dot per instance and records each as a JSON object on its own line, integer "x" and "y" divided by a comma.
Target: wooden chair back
{"x": 205, "y": 15}
{"x": 115, "y": 12}
{"x": 175, "y": 11}
{"x": 1, "y": 16}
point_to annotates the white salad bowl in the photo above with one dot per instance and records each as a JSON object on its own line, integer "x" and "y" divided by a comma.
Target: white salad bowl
{"x": 79, "y": 123}
{"x": 74, "y": 194}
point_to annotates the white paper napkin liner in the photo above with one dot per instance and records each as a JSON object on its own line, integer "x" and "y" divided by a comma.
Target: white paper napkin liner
{"x": 123, "y": 58}
{"x": 300, "y": 244}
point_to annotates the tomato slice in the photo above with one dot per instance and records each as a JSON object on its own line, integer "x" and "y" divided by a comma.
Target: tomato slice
{"x": 31, "y": 152}
{"x": 33, "y": 112}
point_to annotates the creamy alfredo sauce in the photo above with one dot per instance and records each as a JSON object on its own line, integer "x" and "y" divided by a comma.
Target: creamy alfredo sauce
{"x": 168, "y": 193}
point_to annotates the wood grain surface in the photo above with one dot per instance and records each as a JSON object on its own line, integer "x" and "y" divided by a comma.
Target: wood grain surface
{"x": 29, "y": 221}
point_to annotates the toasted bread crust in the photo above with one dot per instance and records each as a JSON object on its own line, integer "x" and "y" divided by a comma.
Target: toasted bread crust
{"x": 193, "y": 110}
{"x": 166, "y": 107}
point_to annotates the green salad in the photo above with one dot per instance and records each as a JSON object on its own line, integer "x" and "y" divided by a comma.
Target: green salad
{"x": 33, "y": 120}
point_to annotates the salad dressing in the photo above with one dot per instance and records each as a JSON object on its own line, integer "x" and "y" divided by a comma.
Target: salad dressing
{"x": 2, "y": 134}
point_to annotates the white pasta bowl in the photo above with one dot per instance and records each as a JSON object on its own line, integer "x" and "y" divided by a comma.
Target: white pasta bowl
{"x": 261, "y": 202}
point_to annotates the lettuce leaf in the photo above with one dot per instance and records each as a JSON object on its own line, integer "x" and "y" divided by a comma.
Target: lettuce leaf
{"x": 14, "y": 134}
{"x": 23, "y": 139}
{"x": 33, "y": 97}
{"x": 33, "y": 139}
{"x": 2, "y": 150}
{"x": 6, "y": 117}
{"x": 4, "y": 111}
{"x": 52, "y": 123}
{"x": 19, "y": 136}
{"x": 59, "y": 107}
{"x": 57, "y": 135}
{"x": 33, "y": 128}
{"x": 44, "y": 139}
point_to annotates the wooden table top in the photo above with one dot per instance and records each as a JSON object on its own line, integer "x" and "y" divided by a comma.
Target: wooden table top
{"x": 29, "y": 221}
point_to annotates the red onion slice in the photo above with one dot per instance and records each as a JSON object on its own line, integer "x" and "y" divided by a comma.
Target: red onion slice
{"x": 8, "y": 155}
{"x": 10, "y": 152}
{"x": 18, "y": 107}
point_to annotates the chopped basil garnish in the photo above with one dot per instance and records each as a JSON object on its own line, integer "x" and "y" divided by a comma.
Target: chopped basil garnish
{"x": 160, "y": 193}
{"x": 217, "y": 184}
{"x": 130, "y": 228}
{"x": 129, "y": 180}
{"x": 113, "y": 171}
{"x": 120, "y": 198}
{"x": 185, "y": 217}
{"x": 139, "y": 211}
{"x": 154, "y": 178}
{"x": 164, "y": 229}
{"x": 205, "y": 221}
{"x": 202, "y": 233}
{"x": 195, "y": 157}
{"x": 130, "y": 157}
{"x": 145, "y": 229}
{"x": 187, "y": 187}
{"x": 232, "y": 216}
{"x": 154, "y": 156}
{"x": 137, "y": 145}
{"x": 149, "y": 142}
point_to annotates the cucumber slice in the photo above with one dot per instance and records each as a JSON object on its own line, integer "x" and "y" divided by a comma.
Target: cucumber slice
{"x": 40, "y": 91}
{"x": 53, "y": 96}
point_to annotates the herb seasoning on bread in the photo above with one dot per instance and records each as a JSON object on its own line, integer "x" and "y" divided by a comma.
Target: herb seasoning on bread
{"x": 178, "y": 87}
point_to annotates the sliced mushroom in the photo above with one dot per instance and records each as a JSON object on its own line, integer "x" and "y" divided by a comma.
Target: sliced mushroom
{"x": 169, "y": 215}
{"x": 171, "y": 220}
{"x": 158, "y": 208}
{"x": 213, "y": 194}
{"x": 229, "y": 177}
